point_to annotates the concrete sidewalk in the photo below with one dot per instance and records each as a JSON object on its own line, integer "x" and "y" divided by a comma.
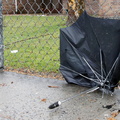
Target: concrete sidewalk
{"x": 24, "y": 97}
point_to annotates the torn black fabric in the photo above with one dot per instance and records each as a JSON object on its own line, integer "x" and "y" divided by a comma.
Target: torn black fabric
{"x": 90, "y": 52}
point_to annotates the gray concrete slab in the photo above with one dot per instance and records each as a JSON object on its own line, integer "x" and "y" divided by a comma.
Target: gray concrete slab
{"x": 24, "y": 97}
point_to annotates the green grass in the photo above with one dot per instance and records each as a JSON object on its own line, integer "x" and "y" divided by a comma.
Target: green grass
{"x": 37, "y": 40}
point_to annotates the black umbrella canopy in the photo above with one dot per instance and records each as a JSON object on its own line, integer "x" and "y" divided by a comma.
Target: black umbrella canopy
{"x": 90, "y": 52}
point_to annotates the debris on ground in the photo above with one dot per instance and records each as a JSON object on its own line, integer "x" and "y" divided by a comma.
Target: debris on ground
{"x": 3, "y": 84}
{"x": 114, "y": 115}
{"x": 53, "y": 86}
{"x": 109, "y": 106}
{"x": 44, "y": 100}
{"x": 11, "y": 82}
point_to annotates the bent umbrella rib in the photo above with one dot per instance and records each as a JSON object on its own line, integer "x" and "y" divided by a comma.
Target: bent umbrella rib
{"x": 81, "y": 75}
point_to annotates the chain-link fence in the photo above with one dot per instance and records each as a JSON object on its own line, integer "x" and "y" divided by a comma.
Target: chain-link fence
{"x": 31, "y": 30}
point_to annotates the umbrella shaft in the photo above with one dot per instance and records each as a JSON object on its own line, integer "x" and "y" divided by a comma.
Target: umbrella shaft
{"x": 85, "y": 92}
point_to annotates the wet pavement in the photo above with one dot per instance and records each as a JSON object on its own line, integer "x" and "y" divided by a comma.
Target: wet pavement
{"x": 24, "y": 97}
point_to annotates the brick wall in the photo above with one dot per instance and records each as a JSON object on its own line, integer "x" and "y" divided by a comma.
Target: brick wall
{"x": 8, "y": 6}
{"x": 65, "y": 6}
{"x": 103, "y": 8}
{"x": 24, "y": 6}
{"x": 30, "y": 6}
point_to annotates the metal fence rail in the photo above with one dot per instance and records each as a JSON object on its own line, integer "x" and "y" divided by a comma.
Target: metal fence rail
{"x": 31, "y": 30}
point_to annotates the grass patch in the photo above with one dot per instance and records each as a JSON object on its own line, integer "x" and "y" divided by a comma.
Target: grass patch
{"x": 37, "y": 40}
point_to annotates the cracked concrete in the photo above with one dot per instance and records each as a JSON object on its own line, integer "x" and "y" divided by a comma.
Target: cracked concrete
{"x": 24, "y": 97}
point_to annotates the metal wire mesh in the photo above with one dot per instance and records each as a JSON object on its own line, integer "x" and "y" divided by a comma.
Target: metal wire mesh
{"x": 103, "y": 8}
{"x": 31, "y": 30}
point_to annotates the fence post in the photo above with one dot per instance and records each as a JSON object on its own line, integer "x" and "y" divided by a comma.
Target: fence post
{"x": 1, "y": 40}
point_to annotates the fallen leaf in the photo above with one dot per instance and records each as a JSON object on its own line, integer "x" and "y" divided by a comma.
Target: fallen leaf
{"x": 92, "y": 100}
{"x": 43, "y": 100}
{"x": 53, "y": 86}
{"x": 114, "y": 114}
{"x": 111, "y": 118}
{"x": 3, "y": 84}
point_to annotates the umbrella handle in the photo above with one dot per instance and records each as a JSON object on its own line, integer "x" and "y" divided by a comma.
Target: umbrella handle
{"x": 58, "y": 103}
{"x": 54, "y": 105}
